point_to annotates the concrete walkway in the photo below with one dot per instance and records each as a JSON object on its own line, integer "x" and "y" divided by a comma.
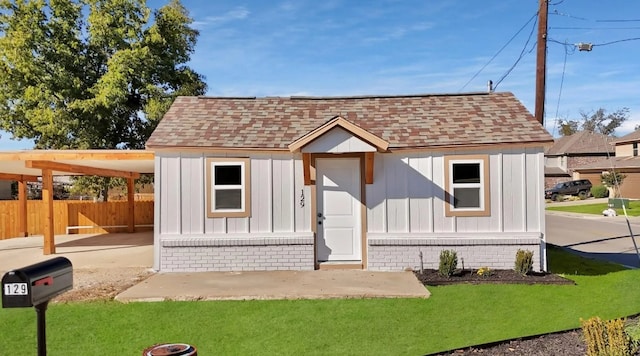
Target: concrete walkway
{"x": 136, "y": 250}
{"x": 276, "y": 285}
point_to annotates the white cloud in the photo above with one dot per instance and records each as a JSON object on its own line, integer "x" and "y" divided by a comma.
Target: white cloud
{"x": 238, "y": 13}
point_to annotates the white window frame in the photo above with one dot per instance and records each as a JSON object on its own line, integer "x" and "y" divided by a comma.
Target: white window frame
{"x": 244, "y": 186}
{"x": 484, "y": 197}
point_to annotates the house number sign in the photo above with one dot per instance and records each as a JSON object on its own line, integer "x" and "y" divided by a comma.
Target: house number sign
{"x": 15, "y": 289}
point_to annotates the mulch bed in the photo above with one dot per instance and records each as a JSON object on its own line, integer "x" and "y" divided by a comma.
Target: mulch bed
{"x": 430, "y": 277}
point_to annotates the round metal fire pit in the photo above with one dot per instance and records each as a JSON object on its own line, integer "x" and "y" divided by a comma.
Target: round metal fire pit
{"x": 170, "y": 350}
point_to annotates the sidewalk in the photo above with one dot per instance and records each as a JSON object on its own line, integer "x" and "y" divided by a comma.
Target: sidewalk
{"x": 275, "y": 285}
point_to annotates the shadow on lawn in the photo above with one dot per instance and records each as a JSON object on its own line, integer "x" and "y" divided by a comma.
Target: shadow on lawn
{"x": 565, "y": 260}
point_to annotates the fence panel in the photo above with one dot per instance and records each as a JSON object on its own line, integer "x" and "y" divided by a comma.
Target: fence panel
{"x": 100, "y": 217}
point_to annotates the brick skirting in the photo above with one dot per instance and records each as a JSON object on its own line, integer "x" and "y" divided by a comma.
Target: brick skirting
{"x": 398, "y": 254}
{"x": 204, "y": 254}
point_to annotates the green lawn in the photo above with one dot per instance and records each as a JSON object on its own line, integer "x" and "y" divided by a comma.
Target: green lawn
{"x": 453, "y": 317}
{"x": 633, "y": 210}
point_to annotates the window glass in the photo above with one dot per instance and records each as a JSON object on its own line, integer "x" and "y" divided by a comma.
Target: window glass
{"x": 228, "y": 199}
{"x": 228, "y": 175}
{"x": 466, "y": 173}
{"x": 466, "y": 198}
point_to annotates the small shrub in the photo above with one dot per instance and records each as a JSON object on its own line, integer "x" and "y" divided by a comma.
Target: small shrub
{"x": 633, "y": 331}
{"x": 524, "y": 261}
{"x": 448, "y": 263}
{"x": 606, "y": 337}
{"x": 485, "y": 272}
{"x": 599, "y": 191}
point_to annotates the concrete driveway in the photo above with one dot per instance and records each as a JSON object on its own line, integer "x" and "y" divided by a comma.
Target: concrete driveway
{"x": 136, "y": 250}
{"x": 83, "y": 250}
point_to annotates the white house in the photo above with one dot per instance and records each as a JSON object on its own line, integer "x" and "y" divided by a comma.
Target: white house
{"x": 368, "y": 182}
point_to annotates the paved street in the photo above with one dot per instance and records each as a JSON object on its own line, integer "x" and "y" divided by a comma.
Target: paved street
{"x": 595, "y": 236}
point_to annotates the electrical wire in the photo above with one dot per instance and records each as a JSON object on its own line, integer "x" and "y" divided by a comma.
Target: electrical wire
{"x": 522, "y": 54}
{"x": 564, "y": 66}
{"x": 535, "y": 16}
{"x": 618, "y": 188}
{"x": 618, "y": 41}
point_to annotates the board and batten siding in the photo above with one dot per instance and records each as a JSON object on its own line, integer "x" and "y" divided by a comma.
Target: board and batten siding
{"x": 406, "y": 212}
{"x": 408, "y": 196}
{"x": 280, "y": 217}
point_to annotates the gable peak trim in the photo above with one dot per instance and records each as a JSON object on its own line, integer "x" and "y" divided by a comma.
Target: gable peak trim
{"x": 355, "y": 130}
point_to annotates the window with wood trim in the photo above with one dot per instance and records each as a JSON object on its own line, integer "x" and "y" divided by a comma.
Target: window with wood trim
{"x": 467, "y": 185}
{"x": 228, "y": 187}
{"x": 635, "y": 149}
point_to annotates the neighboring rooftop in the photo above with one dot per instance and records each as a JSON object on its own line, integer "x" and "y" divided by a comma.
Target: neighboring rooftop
{"x": 583, "y": 142}
{"x": 612, "y": 163}
{"x": 634, "y": 136}
{"x": 411, "y": 121}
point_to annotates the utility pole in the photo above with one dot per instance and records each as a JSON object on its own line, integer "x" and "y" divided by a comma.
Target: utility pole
{"x": 541, "y": 60}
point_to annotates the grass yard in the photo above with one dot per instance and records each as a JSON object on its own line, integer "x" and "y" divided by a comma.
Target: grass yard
{"x": 633, "y": 210}
{"x": 455, "y": 316}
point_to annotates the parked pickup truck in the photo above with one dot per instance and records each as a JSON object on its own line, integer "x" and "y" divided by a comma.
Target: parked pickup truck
{"x": 581, "y": 188}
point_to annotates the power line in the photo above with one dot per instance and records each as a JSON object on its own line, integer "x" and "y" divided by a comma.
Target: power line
{"x": 618, "y": 41}
{"x": 594, "y": 28}
{"x": 564, "y": 66}
{"x": 522, "y": 54}
{"x": 500, "y": 51}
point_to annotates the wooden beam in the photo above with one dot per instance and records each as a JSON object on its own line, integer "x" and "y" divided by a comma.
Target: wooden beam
{"x": 74, "y": 155}
{"x": 22, "y": 209}
{"x": 306, "y": 167}
{"x": 131, "y": 219}
{"x": 72, "y": 168}
{"x": 47, "y": 204}
{"x": 18, "y": 177}
{"x": 368, "y": 167}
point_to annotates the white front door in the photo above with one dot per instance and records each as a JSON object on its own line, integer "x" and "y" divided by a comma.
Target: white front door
{"x": 338, "y": 210}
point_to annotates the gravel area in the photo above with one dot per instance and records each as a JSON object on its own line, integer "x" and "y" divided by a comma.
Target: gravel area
{"x": 102, "y": 283}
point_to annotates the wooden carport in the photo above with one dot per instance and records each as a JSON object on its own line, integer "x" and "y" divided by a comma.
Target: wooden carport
{"x": 25, "y": 166}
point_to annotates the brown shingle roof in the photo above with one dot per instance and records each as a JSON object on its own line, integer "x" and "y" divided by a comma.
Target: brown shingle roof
{"x": 613, "y": 162}
{"x": 403, "y": 121}
{"x": 634, "y": 136}
{"x": 583, "y": 142}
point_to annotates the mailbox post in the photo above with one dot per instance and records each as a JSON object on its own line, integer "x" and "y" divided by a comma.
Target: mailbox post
{"x": 34, "y": 286}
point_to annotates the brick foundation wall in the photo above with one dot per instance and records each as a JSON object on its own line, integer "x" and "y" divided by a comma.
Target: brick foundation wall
{"x": 204, "y": 254}
{"x": 398, "y": 254}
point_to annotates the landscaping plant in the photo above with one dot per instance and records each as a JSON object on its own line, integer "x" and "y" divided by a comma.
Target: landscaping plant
{"x": 606, "y": 337}
{"x": 599, "y": 191}
{"x": 524, "y": 261}
{"x": 448, "y": 262}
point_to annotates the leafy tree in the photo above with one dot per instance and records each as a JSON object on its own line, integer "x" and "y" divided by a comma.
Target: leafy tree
{"x": 613, "y": 180}
{"x": 597, "y": 121}
{"x": 87, "y": 74}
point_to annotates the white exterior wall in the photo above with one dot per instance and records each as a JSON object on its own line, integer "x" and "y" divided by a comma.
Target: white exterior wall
{"x": 187, "y": 240}
{"x": 406, "y": 212}
{"x": 405, "y": 215}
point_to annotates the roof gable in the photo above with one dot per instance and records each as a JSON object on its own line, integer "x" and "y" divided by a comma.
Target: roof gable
{"x": 583, "y": 142}
{"x": 329, "y": 132}
{"x": 632, "y": 137}
{"x": 404, "y": 122}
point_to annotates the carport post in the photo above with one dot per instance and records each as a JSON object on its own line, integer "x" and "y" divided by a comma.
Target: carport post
{"x": 47, "y": 201}
{"x": 131, "y": 220}
{"x": 22, "y": 210}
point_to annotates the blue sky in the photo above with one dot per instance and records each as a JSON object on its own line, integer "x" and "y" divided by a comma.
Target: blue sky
{"x": 349, "y": 47}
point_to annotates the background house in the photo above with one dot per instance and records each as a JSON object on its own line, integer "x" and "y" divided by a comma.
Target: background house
{"x": 369, "y": 182}
{"x": 626, "y": 161}
{"x": 570, "y": 152}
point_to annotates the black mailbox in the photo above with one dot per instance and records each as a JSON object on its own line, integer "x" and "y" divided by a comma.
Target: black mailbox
{"x": 38, "y": 283}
